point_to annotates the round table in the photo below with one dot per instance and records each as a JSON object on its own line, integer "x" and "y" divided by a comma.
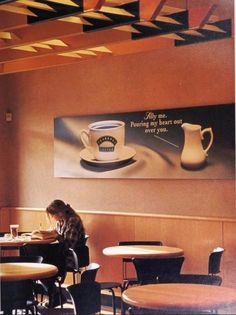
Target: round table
{"x": 177, "y": 297}
{"x": 21, "y": 242}
{"x": 26, "y": 271}
{"x": 141, "y": 251}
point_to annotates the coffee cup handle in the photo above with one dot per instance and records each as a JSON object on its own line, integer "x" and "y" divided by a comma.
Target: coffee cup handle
{"x": 84, "y": 136}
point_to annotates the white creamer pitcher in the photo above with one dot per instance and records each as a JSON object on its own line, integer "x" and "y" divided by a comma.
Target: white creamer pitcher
{"x": 193, "y": 155}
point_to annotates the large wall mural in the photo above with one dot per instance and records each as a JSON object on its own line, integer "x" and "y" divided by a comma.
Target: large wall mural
{"x": 183, "y": 143}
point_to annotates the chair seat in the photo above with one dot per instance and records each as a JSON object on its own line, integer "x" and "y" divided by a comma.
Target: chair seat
{"x": 109, "y": 285}
{"x": 59, "y": 311}
{"x": 129, "y": 281}
{"x": 193, "y": 278}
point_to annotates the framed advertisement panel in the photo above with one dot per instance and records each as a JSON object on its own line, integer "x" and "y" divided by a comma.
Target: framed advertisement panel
{"x": 183, "y": 143}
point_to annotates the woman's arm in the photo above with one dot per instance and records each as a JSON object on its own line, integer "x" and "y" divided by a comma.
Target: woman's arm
{"x": 74, "y": 234}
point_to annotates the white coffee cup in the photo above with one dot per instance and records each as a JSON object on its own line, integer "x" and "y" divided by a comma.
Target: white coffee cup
{"x": 104, "y": 139}
{"x": 14, "y": 229}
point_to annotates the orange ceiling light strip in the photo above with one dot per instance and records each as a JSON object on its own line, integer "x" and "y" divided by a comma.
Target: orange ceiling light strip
{"x": 55, "y": 42}
{"x": 28, "y": 48}
{"x": 65, "y": 2}
{"x": 127, "y": 28}
{"x": 5, "y": 35}
{"x": 45, "y": 45}
{"x": 70, "y": 54}
{"x": 75, "y": 19}
{"x": 102, "y": 49}
{"x": 192, "y": 32}
{"x": 38, "y": 5}
{"x": 118, "y": 2}
{"x": 41, "y": 45}
{"x": 148, "y": 24}
{"x": 86, "y": 52}
{"x": 14, "y": 9}
{"x": 168, "y": 10}
{"x": 172, "y": 36}
{"x": 96, "y": 15}
{"x": 213, "y": 28}
{"x": 117, "y": 11}
{"x": 167, "y": 19}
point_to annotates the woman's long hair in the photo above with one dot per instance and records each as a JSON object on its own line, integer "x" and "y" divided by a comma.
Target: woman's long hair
{"x": 58, "y": 206}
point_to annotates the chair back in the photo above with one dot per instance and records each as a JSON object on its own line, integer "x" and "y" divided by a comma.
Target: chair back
{"x": 192, "y": 278}
{"x": 80, "y": 257}
{"x": 154, "y": 243}
{"x": 86, "y": 297}
{"x": 89, "y": 275}
{"x": 51, "y": 253}
{"x": 215, "y": 260}
{"x": 34, "y": 259}
{"x": 151, "y": 270}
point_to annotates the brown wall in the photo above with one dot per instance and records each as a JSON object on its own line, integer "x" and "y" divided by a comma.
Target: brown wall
{"x": 193, "y": 75}
{"x": 195, "y": 235}
{"x": 201, "y": 74}
{"x": 5, "y": 135}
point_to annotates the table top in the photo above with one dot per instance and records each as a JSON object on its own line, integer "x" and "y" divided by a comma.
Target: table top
{"x": 130, "y": 251}
{"x": 26, "y": 271}
{"x": 180, "y": 296}
{"x": 22, "y": 241}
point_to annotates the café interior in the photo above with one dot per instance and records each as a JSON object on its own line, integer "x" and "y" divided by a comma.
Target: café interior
{"x": 87, "y": 59}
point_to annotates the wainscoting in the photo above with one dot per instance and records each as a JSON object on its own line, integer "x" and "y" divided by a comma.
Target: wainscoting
{"x": 196, "y": 235}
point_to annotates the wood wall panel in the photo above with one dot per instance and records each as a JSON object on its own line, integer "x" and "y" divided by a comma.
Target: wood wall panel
{"x": 197, "y": 236}
{"x": 29, "y": 220}
{"x": 229, "y": 257}
{"x": 188, "y": 234}
{"x": 4, "y": 219}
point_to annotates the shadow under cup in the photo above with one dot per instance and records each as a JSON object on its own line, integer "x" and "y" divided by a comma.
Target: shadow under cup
{"x": 105, "y": 139}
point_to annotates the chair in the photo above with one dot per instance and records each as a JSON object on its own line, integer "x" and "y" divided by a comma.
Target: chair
{"x": 35, "y": 259}
{"x": 192, "y": 278}
{"x": 151, "y": 270}
{"x": 110, "y": 286}
{"x": 209, "y": 279}
{"x": 86, "y": 299}
{"x": 18, "y": 295}
{"x": 81, "y": 259}
{"x": 52, "y": 254}
{"x": 89, "y": 274}
{"x": 82, "y": 294}
{"x": 215, "y": 260}
{"x": 131, "y": 281}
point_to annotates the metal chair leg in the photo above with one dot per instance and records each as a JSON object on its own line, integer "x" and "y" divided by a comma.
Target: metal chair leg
{"x": 113, "y": 301}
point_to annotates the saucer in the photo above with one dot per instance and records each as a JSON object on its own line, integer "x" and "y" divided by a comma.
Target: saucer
{"x": 127, "y": 154}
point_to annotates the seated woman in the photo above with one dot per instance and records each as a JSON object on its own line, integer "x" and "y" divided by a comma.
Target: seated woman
{"x": 70, "y": 234}
{"x": 70, "y": 228}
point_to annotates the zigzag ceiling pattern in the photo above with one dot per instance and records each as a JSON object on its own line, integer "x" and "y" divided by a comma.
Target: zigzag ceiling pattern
{"x": 43, "y": 33}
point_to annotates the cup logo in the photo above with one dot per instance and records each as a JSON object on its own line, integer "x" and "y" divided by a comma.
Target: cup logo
{"x": 106, "y": 144}
{"x": 104, "y": 140}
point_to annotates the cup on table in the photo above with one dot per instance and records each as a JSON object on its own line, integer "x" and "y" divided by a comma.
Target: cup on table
{"x": 104, "y": 139}
{"x": 14, "y": 229}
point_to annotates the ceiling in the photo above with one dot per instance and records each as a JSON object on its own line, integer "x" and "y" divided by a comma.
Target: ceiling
{"x": 36, "y": 34}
